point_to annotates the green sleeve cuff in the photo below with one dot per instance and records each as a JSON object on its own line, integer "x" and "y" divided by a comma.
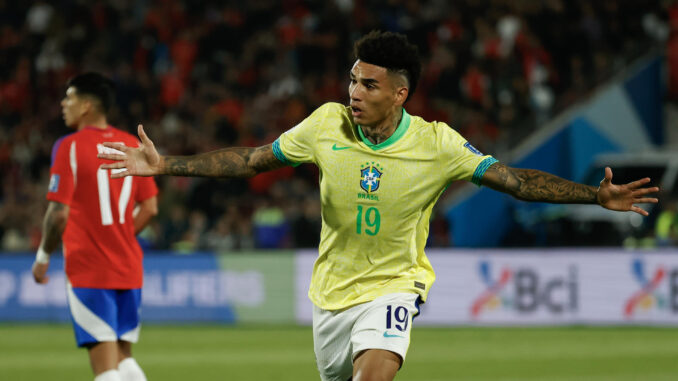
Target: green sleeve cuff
{"x": 481, "y": 168}
{"x": 280, "y": 155}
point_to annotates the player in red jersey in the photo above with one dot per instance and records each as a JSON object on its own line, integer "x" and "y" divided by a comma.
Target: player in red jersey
{"x": 95, "y": 217}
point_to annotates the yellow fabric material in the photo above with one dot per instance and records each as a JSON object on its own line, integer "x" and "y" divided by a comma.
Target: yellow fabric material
{"x": 376, "y": 201}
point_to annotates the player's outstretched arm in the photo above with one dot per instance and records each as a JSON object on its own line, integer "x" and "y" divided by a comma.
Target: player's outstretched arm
{"x": 228, "y": 162}
{"x": 53, "y": 225}
{"x": 535, "y": 185}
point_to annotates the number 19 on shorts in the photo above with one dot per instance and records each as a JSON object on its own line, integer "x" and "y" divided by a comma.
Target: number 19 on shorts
{"x": 370, "y": 218}
{"x": 397, "y": 318}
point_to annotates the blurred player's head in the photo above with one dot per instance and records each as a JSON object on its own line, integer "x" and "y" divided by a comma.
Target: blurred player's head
{"x": 384, "y": 76}
{"x": 88, "y": 97}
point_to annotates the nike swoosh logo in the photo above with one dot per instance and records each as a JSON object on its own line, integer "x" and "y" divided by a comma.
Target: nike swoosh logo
{"x": 387, "y": 335}
{"x": 335, "y": 148}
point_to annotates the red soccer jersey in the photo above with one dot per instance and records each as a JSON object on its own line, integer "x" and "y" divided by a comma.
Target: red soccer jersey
{"x": 100, "y": 249}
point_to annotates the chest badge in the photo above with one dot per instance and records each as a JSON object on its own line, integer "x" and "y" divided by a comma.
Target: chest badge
{"x": 370, "y": 177}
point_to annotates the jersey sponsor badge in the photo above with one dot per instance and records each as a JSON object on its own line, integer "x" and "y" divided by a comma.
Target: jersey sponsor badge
{"x": 53, "y": 183}
{"x": 370, "y": 177}
{"x": 473, "y": 149}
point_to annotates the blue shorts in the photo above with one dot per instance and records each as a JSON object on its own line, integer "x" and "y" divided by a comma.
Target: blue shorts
{"x": 104, "y": 315}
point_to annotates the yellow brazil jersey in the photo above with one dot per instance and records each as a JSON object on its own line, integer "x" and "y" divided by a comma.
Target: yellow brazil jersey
{"x": 376, "y": 200}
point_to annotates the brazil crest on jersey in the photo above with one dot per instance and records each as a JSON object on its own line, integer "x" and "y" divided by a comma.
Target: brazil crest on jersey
{"x": 370, "y": 177}
{"x": 376, "y": 200}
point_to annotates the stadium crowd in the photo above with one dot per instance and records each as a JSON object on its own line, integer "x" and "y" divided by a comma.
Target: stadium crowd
{"x": 202, "y": 75}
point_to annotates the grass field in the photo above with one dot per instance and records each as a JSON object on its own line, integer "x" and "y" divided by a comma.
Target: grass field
{"x": 253, "y": 353}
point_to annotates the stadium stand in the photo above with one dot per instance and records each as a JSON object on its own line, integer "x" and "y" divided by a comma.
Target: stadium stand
{"x": 206, "y": 74}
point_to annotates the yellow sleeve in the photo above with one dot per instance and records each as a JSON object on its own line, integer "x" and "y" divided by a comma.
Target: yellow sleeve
{"x": 297, "y": 145}
{"x": 461, "y": 160}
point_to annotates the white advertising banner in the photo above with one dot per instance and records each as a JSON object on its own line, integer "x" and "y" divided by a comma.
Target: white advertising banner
{"x": 304, "y": 268}
{"x": 540, "y": 287}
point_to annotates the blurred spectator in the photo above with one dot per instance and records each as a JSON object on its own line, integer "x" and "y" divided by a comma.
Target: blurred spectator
{"x": 269, "y": 225}
{"x": 221, "y": 237}
{"x": 193, "y": 237}
{"x": 666, "y": 226}
{"x": 232, "y": 231}
{"x": 672, "y": 64}
{"x": 175, "y": 226}
{"x": 307, "y": 224}
{"x": 13, "y": 240}
{"x": 672, "y": 49}
{"x": 148, "y": 237}
{"x": 38, "y": 17}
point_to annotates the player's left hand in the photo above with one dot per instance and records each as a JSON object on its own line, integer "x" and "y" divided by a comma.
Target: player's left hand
{"x": 624, "y": 197}
{"x": 141, "y": 161}
{"x": 40, "y": 272}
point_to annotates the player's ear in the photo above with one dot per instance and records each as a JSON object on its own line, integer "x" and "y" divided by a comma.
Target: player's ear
{"x": 401, "y": 95}
{"x": 83, "y": 106}
{"x": 88, "y": 106}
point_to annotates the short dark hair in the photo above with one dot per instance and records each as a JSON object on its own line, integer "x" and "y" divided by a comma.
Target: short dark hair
{"x": 96, "y": 86}
{"x": 392, "y": 51}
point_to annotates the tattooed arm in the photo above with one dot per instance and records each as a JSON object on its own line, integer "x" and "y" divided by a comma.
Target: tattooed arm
{"x": 228, "y": 162}
{"x": 53, "y": 226}
{"x": 534, "y": 185}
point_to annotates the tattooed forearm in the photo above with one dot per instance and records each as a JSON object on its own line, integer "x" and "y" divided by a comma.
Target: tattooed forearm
{"x": 227, "y": 162}
{"x": 541, "y": 186}
{"x": 534, "y": 185}
{"x": 53, "y": 225}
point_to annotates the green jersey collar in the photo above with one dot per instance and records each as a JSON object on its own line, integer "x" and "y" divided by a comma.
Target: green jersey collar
{"x": 399, "y": 132}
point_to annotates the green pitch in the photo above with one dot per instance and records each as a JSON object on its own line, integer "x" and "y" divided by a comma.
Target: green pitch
{"x": 254, "y": 353}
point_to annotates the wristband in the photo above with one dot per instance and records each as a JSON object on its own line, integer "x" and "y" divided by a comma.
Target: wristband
{"x": 42, "y": 257}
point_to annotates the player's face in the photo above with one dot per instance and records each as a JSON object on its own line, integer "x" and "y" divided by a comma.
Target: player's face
{"x": 72, "y": 107}
{"x": 373, "y": 94}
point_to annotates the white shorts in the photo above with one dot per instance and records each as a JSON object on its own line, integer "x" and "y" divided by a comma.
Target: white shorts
{"x": 339, "y": 336}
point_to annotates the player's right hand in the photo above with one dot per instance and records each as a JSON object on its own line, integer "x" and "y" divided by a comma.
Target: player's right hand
{"x": 140, "y": 161}
{"x": 624, "y": 197}
{"x": 40, "y": 272}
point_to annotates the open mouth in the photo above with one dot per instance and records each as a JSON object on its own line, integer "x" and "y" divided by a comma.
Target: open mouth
{"x": 356, "y": 111}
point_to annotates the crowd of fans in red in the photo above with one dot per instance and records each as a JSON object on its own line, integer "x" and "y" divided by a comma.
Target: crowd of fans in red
{"x": 203, "y": 74}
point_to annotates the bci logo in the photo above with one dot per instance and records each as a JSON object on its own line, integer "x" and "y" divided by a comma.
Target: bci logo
{"x": 526, "y": 290}
{"x": 657, "y": 289}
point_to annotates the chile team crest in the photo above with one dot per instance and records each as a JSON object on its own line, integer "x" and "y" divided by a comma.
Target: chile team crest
{"x": 370, "y": 177}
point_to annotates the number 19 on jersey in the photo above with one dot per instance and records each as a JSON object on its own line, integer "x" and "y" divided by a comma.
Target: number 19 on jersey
{"x": 372, "y": 220}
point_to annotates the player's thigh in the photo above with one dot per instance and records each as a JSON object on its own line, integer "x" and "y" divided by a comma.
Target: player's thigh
{"x": 385, "y": 324}
{"x": 332, "y": 343}
{"x": 376, "y": 364}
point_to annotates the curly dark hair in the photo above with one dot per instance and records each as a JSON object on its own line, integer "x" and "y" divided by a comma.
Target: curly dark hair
{"x": 392, "y": 51}
{"x": 96, "y": 86}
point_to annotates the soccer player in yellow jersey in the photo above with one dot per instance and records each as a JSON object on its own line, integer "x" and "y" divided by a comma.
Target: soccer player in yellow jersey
{"x": 381, "y": 172}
